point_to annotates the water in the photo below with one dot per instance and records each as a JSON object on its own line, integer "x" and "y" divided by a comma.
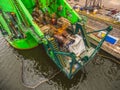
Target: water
{"x": 19, "y": 68}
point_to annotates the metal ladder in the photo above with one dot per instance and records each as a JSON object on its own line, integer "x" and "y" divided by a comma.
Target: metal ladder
{"x": 55, "y": 47}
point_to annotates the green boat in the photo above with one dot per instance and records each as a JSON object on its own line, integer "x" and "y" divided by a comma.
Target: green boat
{"x": 53, "y": 23}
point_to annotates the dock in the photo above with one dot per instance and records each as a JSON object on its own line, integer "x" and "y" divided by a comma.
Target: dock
{"x": 113, "y": 49}
{"x": 98, "y": 21}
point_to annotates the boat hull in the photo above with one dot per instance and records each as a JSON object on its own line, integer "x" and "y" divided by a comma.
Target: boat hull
{"x": 27, "y": 43}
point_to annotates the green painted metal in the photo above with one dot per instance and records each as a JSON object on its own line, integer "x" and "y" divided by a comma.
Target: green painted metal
{"x": 26, "y": 43}
{"x": 7, "y": 5}
{"x": 4, "y": 24}
{"x": 83, "y": 31}
{"x": 108, "y": 29}
{"x": 29, "y": 4}
{"x": 29, "y": 41}
{"x": 24, "y": 33}
{"x": 23, "y": 44}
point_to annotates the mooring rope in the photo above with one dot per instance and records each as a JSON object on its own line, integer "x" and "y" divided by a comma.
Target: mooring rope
{"x": 118, "y": 62}
{"x": 46, "y": 80}
{"x": 40, "y": 82}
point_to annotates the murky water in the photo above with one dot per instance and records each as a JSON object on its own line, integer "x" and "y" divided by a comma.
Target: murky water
{"x": 30, "y": 67}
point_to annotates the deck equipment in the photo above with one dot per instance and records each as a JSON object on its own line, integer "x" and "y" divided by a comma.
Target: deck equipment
{"x": 53, "y": 23}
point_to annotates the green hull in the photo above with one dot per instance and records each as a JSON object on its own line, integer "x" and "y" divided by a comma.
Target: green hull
{"x": 30, "y": 40}
{"x": 23, "y": 32}
{"x": 28, "y": 43}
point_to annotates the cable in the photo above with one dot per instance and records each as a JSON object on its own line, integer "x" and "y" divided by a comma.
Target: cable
{"x": 118, "y": 62}
{"x": 40, "y": 82}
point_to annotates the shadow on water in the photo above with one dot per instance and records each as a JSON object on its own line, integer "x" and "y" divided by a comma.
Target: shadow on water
{"x": 66, "y": 83}
{"x": 44, "y": 67}
{"x": 100, "y": 74}
{"x": 38, "y": 56}
{"x": 38, "y": 64}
